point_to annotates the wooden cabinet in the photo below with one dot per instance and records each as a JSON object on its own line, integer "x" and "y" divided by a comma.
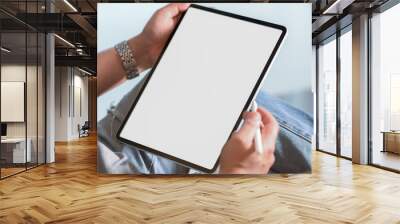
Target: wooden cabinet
{"x": 391, "y": 142}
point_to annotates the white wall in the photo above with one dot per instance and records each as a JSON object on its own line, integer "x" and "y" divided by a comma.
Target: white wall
{"x": 61, "y": 103}
{"x": 33, "y": 126}
{"x": 15, "y": 72}
{"x": 69, "y": 85}
{"x": 81, "y": 84}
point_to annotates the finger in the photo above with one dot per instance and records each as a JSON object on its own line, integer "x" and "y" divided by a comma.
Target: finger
{"x": 266, "y": 116}
{"x": 183, "y": 6}
{"x": 270, "y": 161}
{"x": 250, "y": 125}
{"x": 173, "y": 9}
{"x": 269, "y": 153}
{"x": 270, "y": 130}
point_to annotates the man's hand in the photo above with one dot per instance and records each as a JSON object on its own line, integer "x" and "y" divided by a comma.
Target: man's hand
{"x": 239, "y": 155}
{"x": 154, "y": 36}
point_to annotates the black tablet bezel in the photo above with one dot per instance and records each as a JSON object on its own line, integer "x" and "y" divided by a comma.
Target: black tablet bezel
{"x": 247, "y": 105}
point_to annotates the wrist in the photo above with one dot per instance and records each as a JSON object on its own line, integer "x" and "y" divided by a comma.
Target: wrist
{"x": 140, "y": 49}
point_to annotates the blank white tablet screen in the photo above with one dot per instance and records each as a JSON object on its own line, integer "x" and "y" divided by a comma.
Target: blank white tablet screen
{"x": 200, "y": 86}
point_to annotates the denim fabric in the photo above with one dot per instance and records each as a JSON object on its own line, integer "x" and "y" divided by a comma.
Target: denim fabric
{"x": 293, "y": 146}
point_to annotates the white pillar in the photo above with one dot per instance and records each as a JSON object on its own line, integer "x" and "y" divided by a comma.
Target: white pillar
{"x": 50, "y": 100}
{"x": 360, "y": 90}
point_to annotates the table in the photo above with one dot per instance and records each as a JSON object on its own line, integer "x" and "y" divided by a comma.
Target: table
{"x": 13, "y": 150}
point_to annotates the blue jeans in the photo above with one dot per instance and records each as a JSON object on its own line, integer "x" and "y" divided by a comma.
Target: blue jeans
{"x": 292, "y": 153}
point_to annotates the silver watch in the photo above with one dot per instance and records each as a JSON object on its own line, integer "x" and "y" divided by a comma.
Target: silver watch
{"x": 128, "y": 62}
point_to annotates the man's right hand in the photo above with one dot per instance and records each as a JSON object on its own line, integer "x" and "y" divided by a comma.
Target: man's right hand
{"x": 239, "y": 155}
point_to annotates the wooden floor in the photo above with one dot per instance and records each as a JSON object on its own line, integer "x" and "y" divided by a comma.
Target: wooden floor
{"x": 5, "y": 172}
{"x": 8, "y": 171}
{"x": 70, "y": 191}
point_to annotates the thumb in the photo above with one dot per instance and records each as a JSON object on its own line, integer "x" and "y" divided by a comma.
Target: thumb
{"x": 174, "y": 9}
{"x": 251, "y": 123}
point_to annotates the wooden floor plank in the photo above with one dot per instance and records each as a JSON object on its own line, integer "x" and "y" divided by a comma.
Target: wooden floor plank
{"x": 70, "y": 191}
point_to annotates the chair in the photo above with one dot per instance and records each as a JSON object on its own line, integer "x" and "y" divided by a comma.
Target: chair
{"x": 84, "y": 130}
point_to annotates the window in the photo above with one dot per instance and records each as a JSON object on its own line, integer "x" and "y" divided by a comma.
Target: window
{"x": 333, "y": 137}
{"x": 385, "y": 89}
{"x": 394, "y": 102}
{"x": 346, "y": 93}
{"x": 327, "y": 96}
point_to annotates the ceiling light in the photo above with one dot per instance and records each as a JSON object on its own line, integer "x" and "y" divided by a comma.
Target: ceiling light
{"x": 70, "y": 5}
{"x": 65, "y": 41}
{"x": 79, "y": 51}
{"x": 5, "y": 50}
{"x": 337, "y": 7}
{"x": 84, "y": 71}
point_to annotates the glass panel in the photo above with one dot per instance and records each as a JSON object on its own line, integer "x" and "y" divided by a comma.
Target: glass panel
{"x": 8, "y": 24}
{"x": 41, "y": 99}
{"x": 346, "y": 94}
{"x": 41, "y": 89}
{"x": 13, "y": 87}
{"x": 23, "y": 89}
{"x": 385, "y": 115}
{"x": 394, "y": 102}
{"x": 32, "y": 89}
{"x": 31, "y": 99}
{"x": 327, "y": 96}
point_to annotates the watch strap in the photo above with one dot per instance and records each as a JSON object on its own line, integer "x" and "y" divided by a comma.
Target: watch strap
{"x": 128, "y": 61}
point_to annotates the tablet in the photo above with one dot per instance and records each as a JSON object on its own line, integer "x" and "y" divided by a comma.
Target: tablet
{"x": 207, "y": 75}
